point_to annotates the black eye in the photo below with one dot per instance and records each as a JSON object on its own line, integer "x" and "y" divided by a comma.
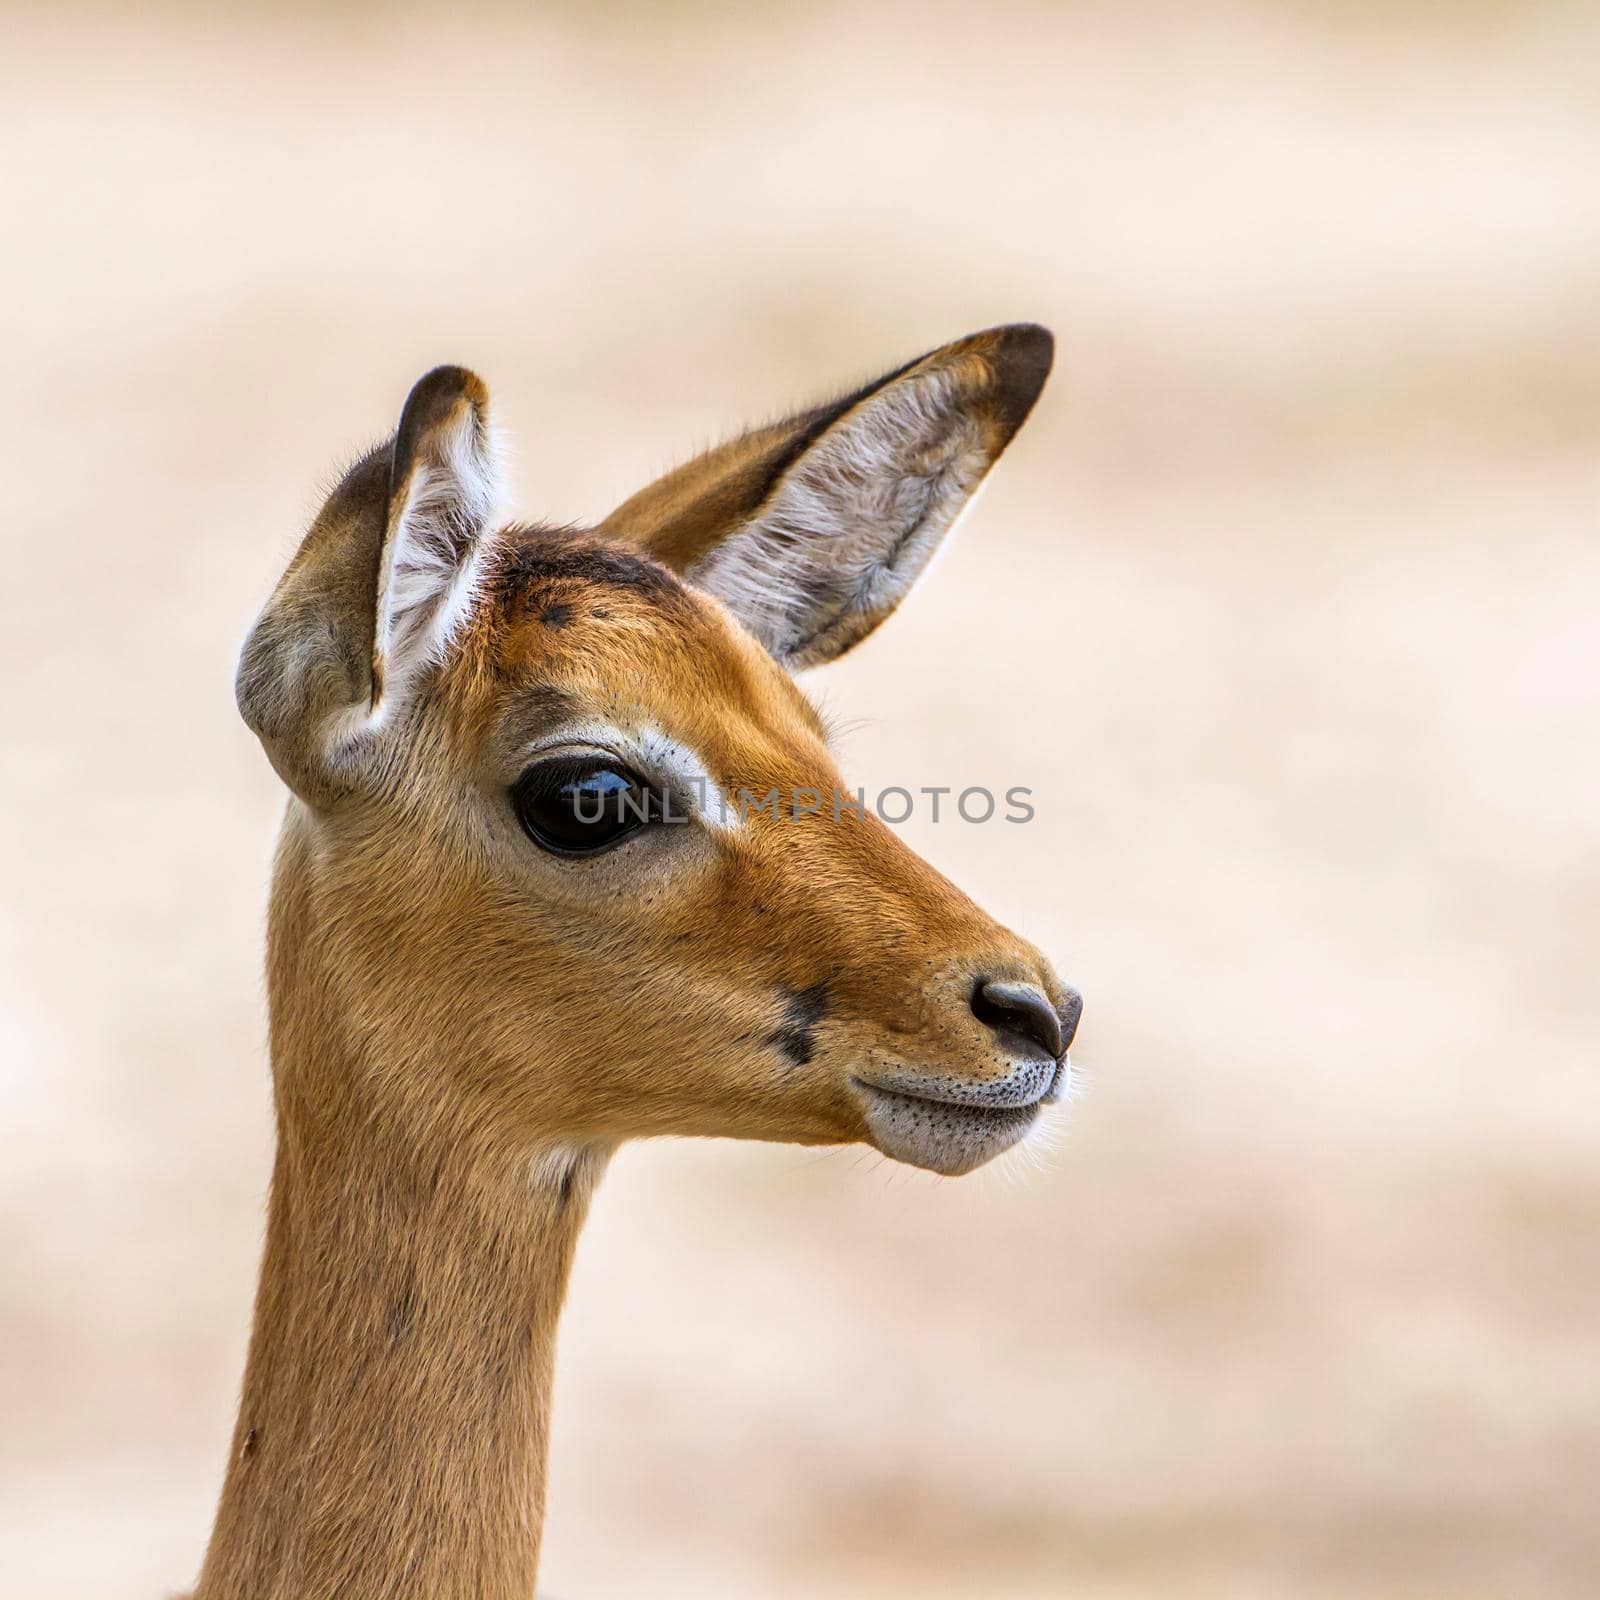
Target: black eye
{"x": 572, "y": 807}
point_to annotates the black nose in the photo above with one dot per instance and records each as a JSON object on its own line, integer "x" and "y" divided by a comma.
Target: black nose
{"x": 1022, "y": 1009}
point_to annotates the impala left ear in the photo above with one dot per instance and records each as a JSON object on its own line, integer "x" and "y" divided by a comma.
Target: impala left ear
{"x": 812, "y": 530}
{"x": 377, "y": 594}
{"x": 444, "y": 488}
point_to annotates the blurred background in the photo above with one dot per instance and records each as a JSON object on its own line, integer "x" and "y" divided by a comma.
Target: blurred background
{"x": 1284, "y": 604}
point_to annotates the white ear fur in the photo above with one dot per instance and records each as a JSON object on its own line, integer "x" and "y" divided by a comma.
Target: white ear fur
{"x": 853, "y": 523}
{"x": 446, "y": 489}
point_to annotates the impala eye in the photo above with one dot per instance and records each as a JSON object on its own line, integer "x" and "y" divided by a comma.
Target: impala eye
{"x": 576, "y": 808}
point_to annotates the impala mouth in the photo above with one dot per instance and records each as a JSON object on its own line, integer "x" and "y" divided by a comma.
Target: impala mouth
{"x": 953, "y": 1128}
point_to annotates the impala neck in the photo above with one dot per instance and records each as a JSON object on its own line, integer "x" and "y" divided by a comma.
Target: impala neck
{"x": 394, "y": 1425}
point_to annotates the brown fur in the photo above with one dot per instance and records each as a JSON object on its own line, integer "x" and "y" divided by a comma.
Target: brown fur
{"x": 463, "y": 1028}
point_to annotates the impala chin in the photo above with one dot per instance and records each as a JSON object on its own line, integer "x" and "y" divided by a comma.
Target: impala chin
{"x": 951, "y": 1127}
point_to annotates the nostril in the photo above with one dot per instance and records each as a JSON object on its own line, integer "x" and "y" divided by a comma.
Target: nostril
{"x": 1071, "y": 1010}
{"x": 1020, "y": 1008}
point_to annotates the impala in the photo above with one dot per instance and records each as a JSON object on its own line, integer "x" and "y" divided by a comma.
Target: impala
{"x": 517, "y": 918}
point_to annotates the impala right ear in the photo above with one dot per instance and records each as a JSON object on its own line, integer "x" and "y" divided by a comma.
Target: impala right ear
{"x": 377, "y": 593}
{"x": 812, "y": 530}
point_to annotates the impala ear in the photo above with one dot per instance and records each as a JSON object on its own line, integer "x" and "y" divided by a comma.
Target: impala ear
{"x": 444, "y": 489}
{"x": 378, "y": 590}
{"x": 812, "y": 530}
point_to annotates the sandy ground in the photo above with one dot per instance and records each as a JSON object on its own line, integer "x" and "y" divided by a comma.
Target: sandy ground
{"x": 1284, "y": 605}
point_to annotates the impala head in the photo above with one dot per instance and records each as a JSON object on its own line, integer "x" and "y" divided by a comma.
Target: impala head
{"x": 522, "y": 872}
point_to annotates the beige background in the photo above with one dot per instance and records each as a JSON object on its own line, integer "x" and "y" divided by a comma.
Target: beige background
{"x": 1285, "y": 605}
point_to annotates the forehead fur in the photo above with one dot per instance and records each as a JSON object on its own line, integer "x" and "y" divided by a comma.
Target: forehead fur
{"x": 569, "y": 611}
{"x": 542, "y": 566}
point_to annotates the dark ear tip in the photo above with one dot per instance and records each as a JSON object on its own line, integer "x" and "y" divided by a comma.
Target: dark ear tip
{"x": 1022, "y": 355}
{"x": 1031, "y": 336}
{"x": 434, "y": 399}
{"x": 436, "y": 394}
